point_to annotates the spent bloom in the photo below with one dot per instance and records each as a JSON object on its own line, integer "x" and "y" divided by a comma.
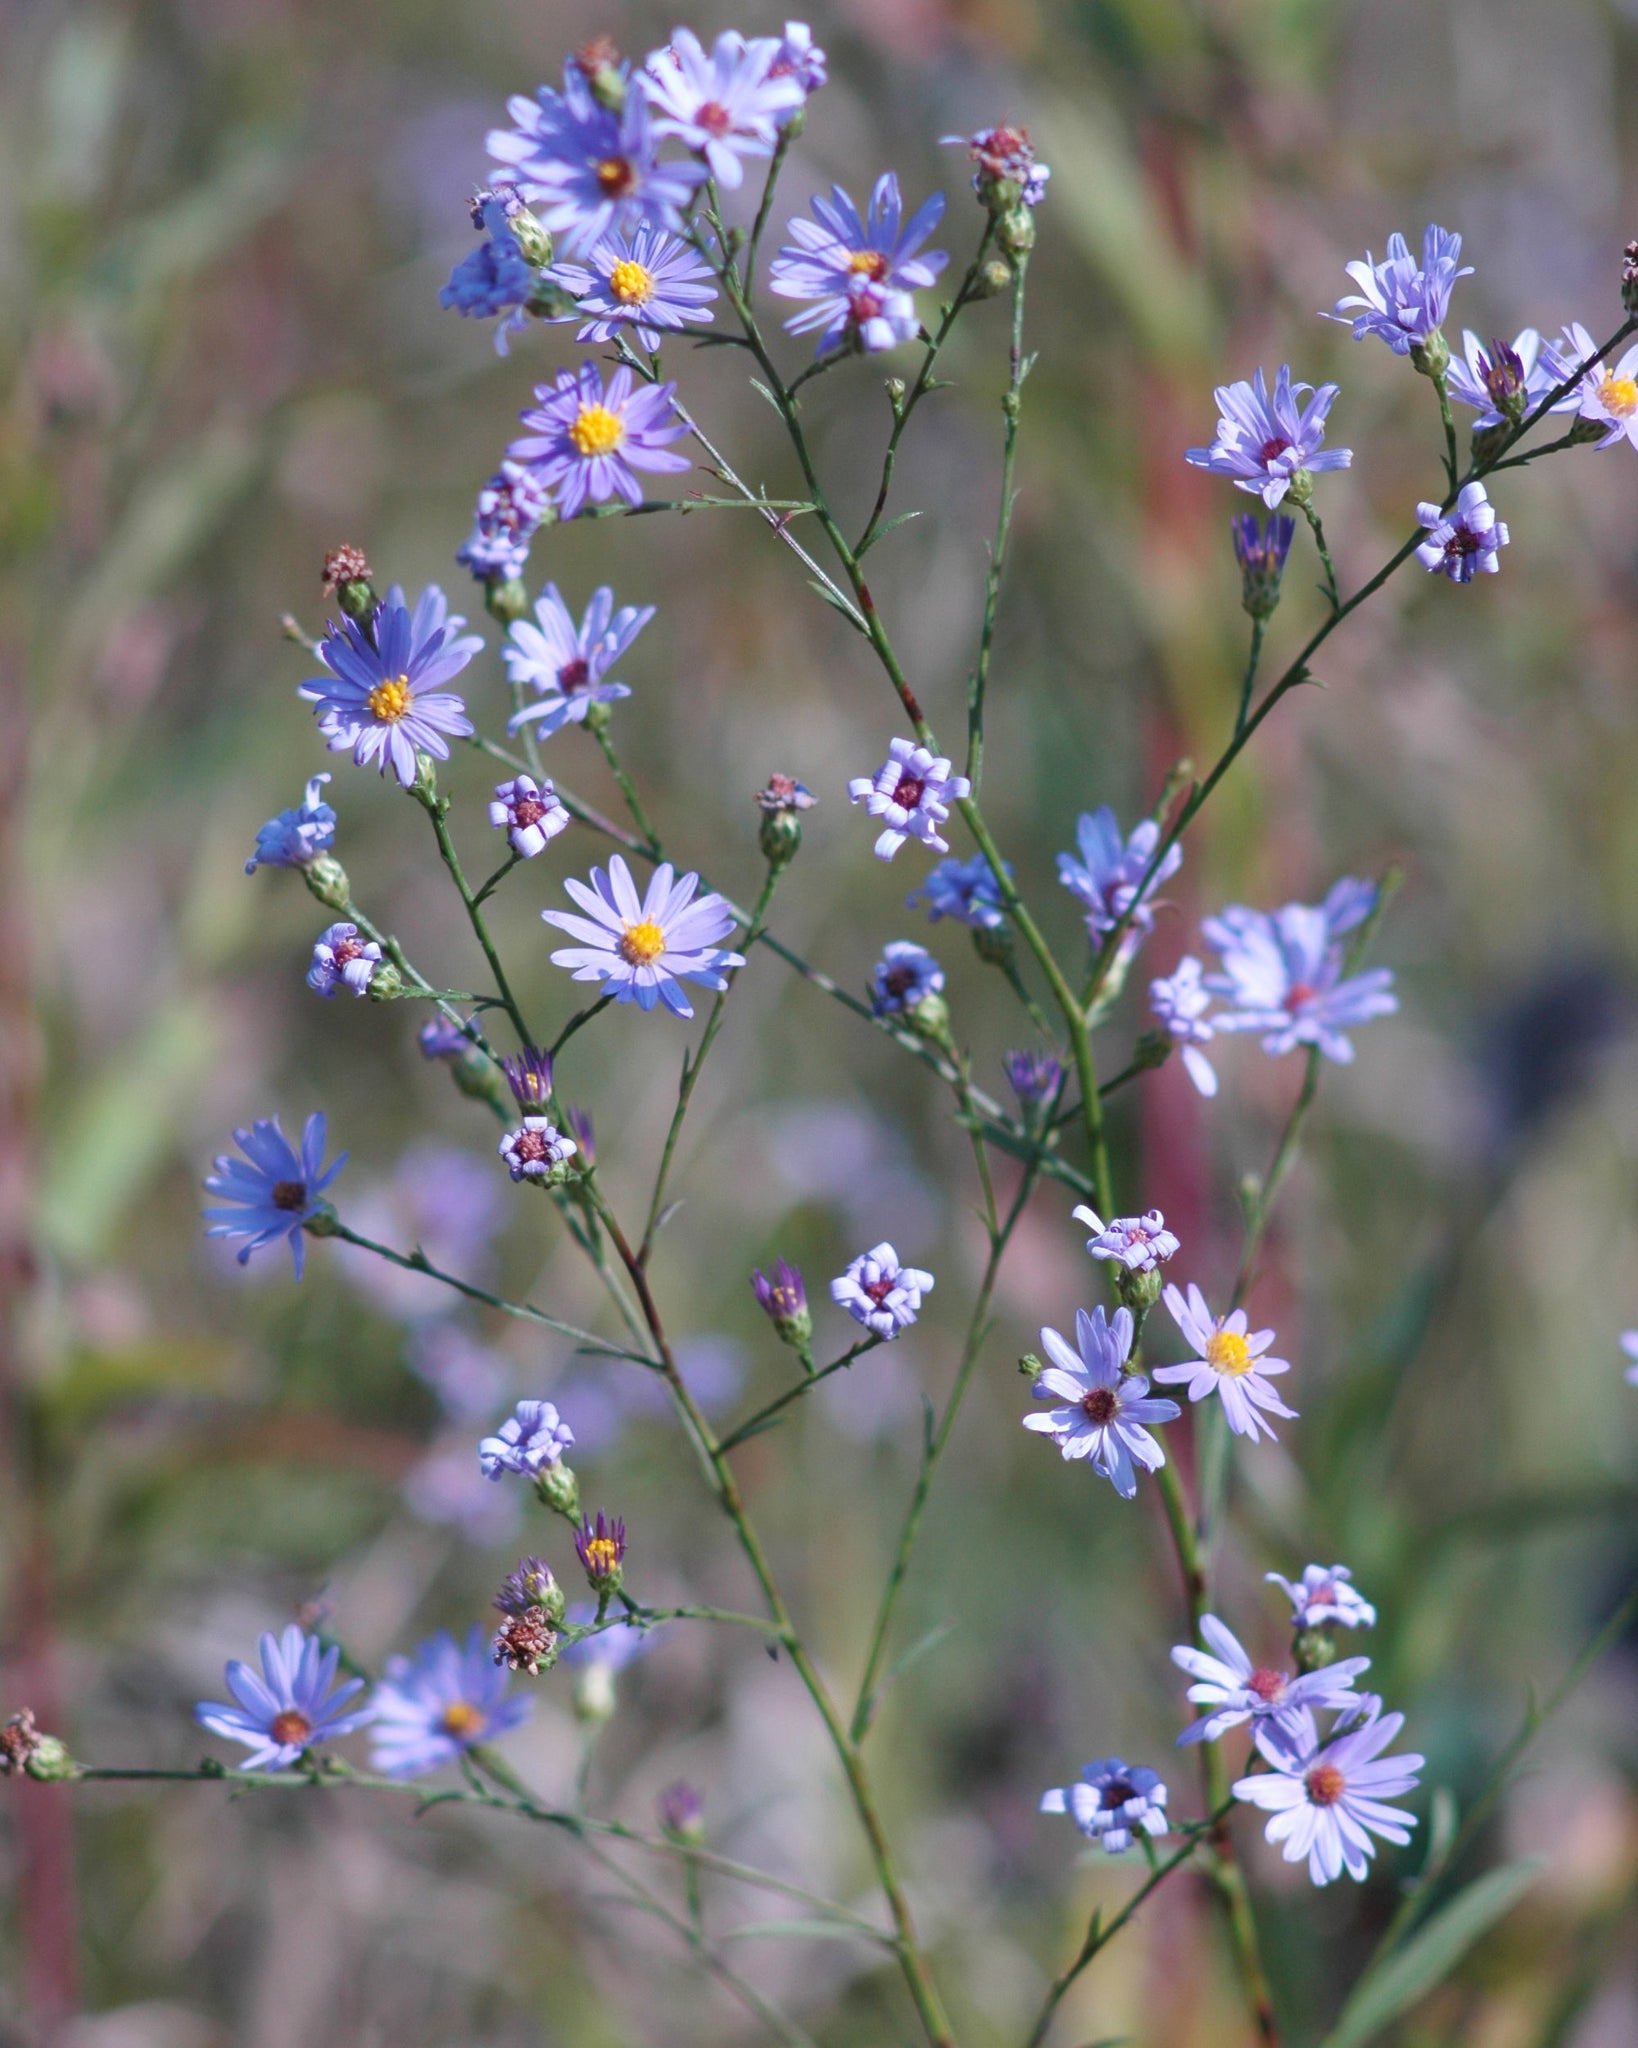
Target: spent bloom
{"x": 1005, "y": 157}
{"x": 880, "y": 1293}
{"x": 273, "y": 1191}
{"x": 295, "y": 838}
{"x": 1108, "y": 876}
{"x": 588, "y": 443}
{"x": 1235, "y": 1690}
{"x": 1465, "y": 541}
{"x": 1400, "y": 300}
{"x": 496, "y": 278}
{"x": 1139, "y": 1243}
{"x": 1328, "y": 1802}
{"x": 965, "y": 890}
{"x": 646, "y": 947}
{"x": 530, "y": 813}
{"x": 646, "y": 279}
{"x": 724, "y": 106}
{"x": 1266, "y": 443}
{"x": 1179, "y": 1003}
{"x": 1608, "y": 393}
{"x": 1283, "y": 973}
{"x": 1517, "y": 376}
{"x": 912, "y": 791}
{"x": 536, "y": 1149}
{"x": 341, "y": 959}
{"x": 1112, "y": 1802}
{"x": 565, "y": 664}
{"x": 383, "y": 697}
{"x": 904, "y": 975}
{"x": 432, "y": 1707}
{"x": 290, "y": 1706}
{"x": 846, "y": 263}
{"x": 509, "y": 511}
{"x": 1102, "y": 1411}
{"x": 1325, "y": 1593}
{"x": 533, "y": 1437}
{"x": 1229, "y": 1361}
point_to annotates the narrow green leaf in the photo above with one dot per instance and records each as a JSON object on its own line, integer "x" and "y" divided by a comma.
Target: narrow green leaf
{"x": 917, "y": 1651}
{"x": 887, "y": 526}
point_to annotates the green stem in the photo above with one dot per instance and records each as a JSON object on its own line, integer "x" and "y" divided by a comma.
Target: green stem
{"x": 755, "y": 1423}
{"x": 1448, "y": 422}
{"x": 437, "y": 809}
{"x": 496, "y": 879}
{"x": 1011, "y": 405}
{"x": 781, "y": 151}
{"x": 598, "y": 727}
{"x": 1317, "y": 529}
{"x": 1258, "y": 628}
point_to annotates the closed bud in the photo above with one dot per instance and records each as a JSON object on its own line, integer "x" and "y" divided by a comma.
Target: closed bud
{"x": 386, "y": 984}
{"x": 50, "y": 1762}
{"x": 1015, "y": 229}
{"x": 1589, "y": 430}
{"x": 784, "y": 1300}
{"x": 682, "y": 1815}
{"x": 1314, "y": 1648}
{"x": 1138, "y": 1289}
{"x": 993, "y": 278}
{"x": 480, "y": 1079}
{"x": 993, "y": 943}
{"x": 1031, "y": 1367}
{"x": 347, "y": 574}
{"x": 1488, "y": 442}
{"x": 780, "y": 838}
{"x": 324, "y": 1222}
{"x": 1153, "y": 1049}
{"x": 598, "y": 62}
{"x": 505, "y": 601}
{"x": 327, "y": 879}
{"x": 595, "y": 1697}
{"x": 530, "y": 235}
{"x": 1432, "y": 356}
{"x": 560, "y": 1490}
{"x": 424, "y": 788}
{"x": 930, "y": 1019}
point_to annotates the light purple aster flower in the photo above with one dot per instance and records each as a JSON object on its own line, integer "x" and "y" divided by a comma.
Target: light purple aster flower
{"x": 725, "y": 106}
{"x": 1608, "y": 393}
{"x": 1466, "y": 541}
{"x": 1102, "y": 1410}
{"x": 589, "y": 443}
{"x": 1399, "y": 300}
{"x": 1110, "y": 872}
{"x": 880, "y": 1293}
{"x": 1179, "y": 1004}
{"x": 1265, "y": 443}
{"x": 274, "y": 1192}
{"x": 295, "y": 838}
{"x": 1282, "y": 972}
{"x": 530, "y": 813}
{"x": 912, "y": 791}
{"x": 1005, "y": 157}
{"x": 1323, "y": 1594}
{"x": 1525, "y": 370}
{"x": 509, "y": 511}
{"x": 442, "y": 1038}
{"x": 1112, "y": 1803}
{"x": 1139, "y": 1243}
{"x": 341, "y": 959}
{"x": 645, "y": 948}
{"x": 839, "y": 258}
{"x": 290, "y": 1707}
{"x": 648, "y": 280}
{"x": 566, "y": 664}
{"x": 432, "y": 1707}
{"x": 1328, "y": 1803}
{"x": 1230, "y": 1363}
{"x": 904, "y": 975}
{"x": 585, "y": 170}
{"x": 965, "y": 890}
{"x": 382, "y": 697}
{"x": 496, "y": 278}
{"x": 1236, "y": 1690}
{"x": 531, "y": 1438}
{"x": 801, "y": 58}
{"x": 536, "y": 1149}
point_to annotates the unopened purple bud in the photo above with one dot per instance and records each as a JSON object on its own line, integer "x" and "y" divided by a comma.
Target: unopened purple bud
{"x": 682, "y": 1813}
{"x": 784, "y": 1300}
{"x": 1035, "y": 1078}
{"x": 579, "y": 1121}
{"x": 1261, "y": 552}
{"x": 529, "y": 1075}
{"x": 1503, "y": 376}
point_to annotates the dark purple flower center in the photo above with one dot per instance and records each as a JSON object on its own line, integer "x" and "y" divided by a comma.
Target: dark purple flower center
{"x": 1101, "y": 1405}
{"x": 714, "y": 118}
{"x": 879, "y": 1290}
{"x": 573, "y": 675}
{"x": 290, "y": 1727}
{"x": 290, "y": 1194}
{"x": 1464, "y": 541}
{"x": 1270, "y": 450}
{"x": 897, "y": 982}
{"x": 344, "y": 951}
{"x": 908, "y": 792}
{"x": 1116, "y": 1793}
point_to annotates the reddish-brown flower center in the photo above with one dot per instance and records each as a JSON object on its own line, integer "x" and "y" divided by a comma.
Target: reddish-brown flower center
{"x": 290, "y": 1194}
{"x": 1101, "y": 1406}
{"x": 528, "y": 810}
{"x": 1269, "y": 1686}
{"x": 908, "y": 792}
{"x": 1270, "y": 449}
{"x": 289, "y": 1727}
{"x": 1117, "y": 1793}
{"x": 898, "y": 982}
{"x": 531, "y": 1145}
{"x": 879, "y": 1290}
{"x": 345, "y": 950}
{"x": 616, "y": 176}
{"x": 714, "y": 118}
{"x": 573, "y": 675}
{"x": 1297, "y": 994}
{"x": 1326, "y": 1784}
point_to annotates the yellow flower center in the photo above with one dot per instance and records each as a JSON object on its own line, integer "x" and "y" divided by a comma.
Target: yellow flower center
{"x": 602, "y": 1555}
{"x": 869, "y": 263}
{"x": 642, "y": 943}
{"x": 631, "y": 283}
{"x": 390, "y": 701}
{"x": 462, "y": 1720}
{"x": 596, "y": 430}
{"x": 1225, "y": 1352}
{"x": 1618, "y": 395}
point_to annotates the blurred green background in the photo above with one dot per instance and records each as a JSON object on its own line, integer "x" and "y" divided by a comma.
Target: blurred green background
{"x": 223, "y": 230}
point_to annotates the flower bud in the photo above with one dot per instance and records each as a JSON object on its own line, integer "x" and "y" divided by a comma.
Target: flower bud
{"x": 930, "y": 1019}
{"x": 1488, "y": 442}
{"x": 1031, "y": 1367}
{"x": 1588, "y": 430}
{"x": 1015, "y": 229}
{"x": 780, "y": 838}
{"x": 1432, "y": 356}
{"x": 993, "y": 278}
{"x": 506, "y": 601}
{"x": 1261, "y": 551}
{"x": 324, "y": 1222}
{"x": 598, "y": 62}
{"x": 559, "y": 1490}
{"x": 531, "y": 236}
{"x": 1314, "y": 1648}
{"x": 784, "y": 1299}
{"x": 682, "y": 1815}
{"x": 347, "y": 574}
{"x": 424, "y": 788}
{"x": 595, "y": 1697}
{"x": 1629, "y": 278}
{"x": 327, "y": 879}
{"x": 1138, "y": 1289}
{"x": 993, "y": 943}
{"x": 386, "y": 983}
{"x": 50, "y": 1762}
{"x": 1153, "y": 1049}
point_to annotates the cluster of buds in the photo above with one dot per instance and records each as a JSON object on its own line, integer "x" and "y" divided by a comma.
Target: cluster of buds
{"x": 781, "y": 804}
{"x": 784, "y": 1300}
{"x": 348, "y": 578}
{"x": 601, "y": 1549}
{"x": 533, "y": 1603}
{"x": 23, "y": 1748}
{"x": 1009, "y": 182}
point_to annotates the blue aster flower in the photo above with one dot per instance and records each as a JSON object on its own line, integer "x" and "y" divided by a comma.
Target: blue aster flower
{"x": 1102, "y": 1410}
{"x": 290, "y": 1707}
{"x": 843, "y": 262}
{"x": 904, "y": 975}
{"x": 1282, "y": 973}
{"x": 432, "y": 1707}
{"x": 273, "y": 1193}
{"x": 532, "y": 1437}
{"x": 1265, "y": 443}
{"x": 341, "y": 959}
{"x": 589, "y": 442}
{"x": 1109, "y": 875}
{"x": 1467, "y": 540}
{"x": 965, "y": 890}
{"x": 1179, "y": 1004}
{"x": 382, "y": 697}
{"x": 565, "y": 664}
{"x": 725, "y": 106}
{"x": 881, "y": 1292}
{"x": 647, "y": 280}
{"x": 496, "y": 278}
{"x": 295, "y": 838}
{"x": 801, "y": 58}
{"x": 1035, "y": 1077}
{"x": 1112, "y": 1803}
{"x": 644, "y": 948}
{"x": 509, "y": 511}
{"x": 1400, "y": 300}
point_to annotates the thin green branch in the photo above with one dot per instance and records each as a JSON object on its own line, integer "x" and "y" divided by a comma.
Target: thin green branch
{"x": 755, "y": 1423}
{"x": 1011, "y": 405}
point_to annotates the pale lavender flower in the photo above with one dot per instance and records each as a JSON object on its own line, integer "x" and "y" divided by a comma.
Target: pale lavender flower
{"x": 850, "y": 266}
{"x": 965, "y": 890}
{"x": 1139, "y": 1243}
{"x": 382, "y": 697}
{"x": 904, "y": 975}
{"x": 1109, "y": 875}
{"x": 531, "y": 1438}
{"x": 1328, "y": 1802}
{"x": 646, "y": 947}
{"x": 1230, "y": 1363}
{"x": 1467, "y": 540}
{"x": 289, "y": 1707}
{"x": 496, "y": 278}
{"x": 1282, "y": 972}
{"x": 1629, "y": 1344}
{"x": 509, "y": 511}
{"x": 530, "y": 813}
{"x": 274, "y": 1192}
{"x": 1607, "y": 393}
{"x": 1235, "y": 1690}
{"x": 1179, "y": 1004}
{"x": 589, "y": 442}
{"x": 1265, "y": 442}
{"x": 645, "y": 279}
{"x": 341, "y": 959}
{"x": 565, "y": 664}
{"x": 725, "y": 106}
{"x": 1400, "y": 300}
{"x": 1323, "y": 1594}
{"x": 1112, "y": 1803}
{"x": 295, "y": 838}
{"x": 801, "y": 58}
{"x": 585, "y": 170}
{"x": 1005, "y": 157}
{"x": 1524, "y": 371}
{"x": 879, "y": 1292}
{"x": 536, "y": 1149}
{"x": 1103, "y": 1410}
{"x": 431, "y": 1708}
{"x": 912, "y": 791}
